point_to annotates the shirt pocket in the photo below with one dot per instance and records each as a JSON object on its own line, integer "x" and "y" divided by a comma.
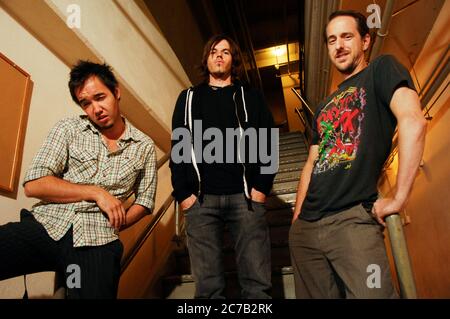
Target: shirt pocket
{"x": 129, "y": 169}
{"x": 83, "y": 165}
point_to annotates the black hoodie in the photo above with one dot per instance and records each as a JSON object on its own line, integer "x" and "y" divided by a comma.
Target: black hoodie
{"x": 221, "y": 108}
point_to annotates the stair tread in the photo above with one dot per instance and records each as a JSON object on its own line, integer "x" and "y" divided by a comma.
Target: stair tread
{"x": 293, "y": 152}
{"x": 287, "y": 176}
{"x": 297, "y": 145}
{"x": 293, "y": 159}
{"x": 283, "y": 167}
{"x": 291, "y": 140}
{"x": 288, "y": 134}
{"x": 185, "y": 278}
{"x": 284, "y": 187}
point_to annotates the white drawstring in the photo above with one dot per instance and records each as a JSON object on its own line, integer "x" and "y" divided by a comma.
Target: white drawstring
{"x": 239, "y": 142}
{"x": 243, "y": 101}
{"x": 186, "y": 106}
{"x": 194, "y": 161}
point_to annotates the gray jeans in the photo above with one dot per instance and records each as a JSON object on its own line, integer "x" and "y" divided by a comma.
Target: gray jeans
{"x": 205, "y": 223}
{"x": 340, "y": 256}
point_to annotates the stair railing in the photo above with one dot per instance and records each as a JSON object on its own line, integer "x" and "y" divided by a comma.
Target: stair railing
{"x": 306, "y": 116}
{"x": 151, "y": 225}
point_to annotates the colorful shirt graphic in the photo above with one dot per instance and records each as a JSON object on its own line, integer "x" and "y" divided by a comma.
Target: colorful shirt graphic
{"x": 339, "y": 128}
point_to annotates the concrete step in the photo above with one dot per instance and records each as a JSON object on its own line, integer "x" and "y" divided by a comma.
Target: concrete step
{"x": 292, "y": 152}
{"x": 291, "y": 167}
{"x": 290, "y": 134}
{"x": 293, "y": 159}
{"x": 287, "y": 177}
{"x": 183, "y": 286}
{"x": 291, "y": 139}
{"x": 284, "y": 187}
{"x": 291, "y": 146}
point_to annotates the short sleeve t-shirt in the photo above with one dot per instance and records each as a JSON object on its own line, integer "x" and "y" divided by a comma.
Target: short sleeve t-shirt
{"x": 353, "y": 128}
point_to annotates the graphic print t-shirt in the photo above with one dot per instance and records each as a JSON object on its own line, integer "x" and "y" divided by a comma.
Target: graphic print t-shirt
{"x": 353, "y": 129}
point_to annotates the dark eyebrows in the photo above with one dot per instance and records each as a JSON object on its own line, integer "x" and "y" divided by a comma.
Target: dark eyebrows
{"x": 213, "y": 50}
{"x": 96, "y": 96}
{"x": 342, "y": 35}
{"x": 82, "y": 102}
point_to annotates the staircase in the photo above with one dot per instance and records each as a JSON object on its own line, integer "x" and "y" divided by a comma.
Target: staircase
{"x": 293, "y": 153}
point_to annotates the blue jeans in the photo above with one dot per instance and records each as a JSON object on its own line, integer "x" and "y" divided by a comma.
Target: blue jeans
{"x": 205, "y": 223}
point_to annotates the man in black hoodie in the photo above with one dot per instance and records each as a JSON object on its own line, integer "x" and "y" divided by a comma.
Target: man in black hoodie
{"x": 228, "y": 188}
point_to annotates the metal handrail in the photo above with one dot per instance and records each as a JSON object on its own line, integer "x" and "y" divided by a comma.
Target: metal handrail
{"x": 401, "y": 257}
{"x": 163, "y": 160}
{"x": 300, "y": 115}
{"x": 146, "y": 233}
{"x": 308, "y": 129}
{"x": 306, "y": 117}
{"x": 151, "y": 226}
{"x": 303, "y": 101}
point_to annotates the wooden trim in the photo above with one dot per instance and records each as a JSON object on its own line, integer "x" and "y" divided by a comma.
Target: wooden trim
{"x": 16, "y": 108}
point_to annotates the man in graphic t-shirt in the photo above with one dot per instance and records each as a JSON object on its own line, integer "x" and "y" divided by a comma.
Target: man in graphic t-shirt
{"x": 337, "y": 226}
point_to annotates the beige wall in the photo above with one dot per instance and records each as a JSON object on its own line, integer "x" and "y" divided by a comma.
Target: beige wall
{"x": 428, "y": 233}
{"x": 121, "y": 34}
{"x": 115, "y": 31}
{"x": 50, "y": 102}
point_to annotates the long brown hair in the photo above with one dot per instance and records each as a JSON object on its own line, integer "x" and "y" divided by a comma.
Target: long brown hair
{"x": 236, "y": 61}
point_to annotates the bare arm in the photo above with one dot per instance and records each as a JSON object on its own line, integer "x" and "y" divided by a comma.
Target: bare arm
{"x": 134, "y": 214}
{"x": 405, "y": 105}
{"x": 305, "y": 178}
{"x": 56, "y": 190}
{"x": 52, "y": 189}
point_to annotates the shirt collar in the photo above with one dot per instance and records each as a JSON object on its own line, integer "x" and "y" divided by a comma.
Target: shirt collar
{"x": 129, "y": 134}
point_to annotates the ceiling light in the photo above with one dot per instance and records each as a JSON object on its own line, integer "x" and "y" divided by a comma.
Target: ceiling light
{"x": 279, "y": 51}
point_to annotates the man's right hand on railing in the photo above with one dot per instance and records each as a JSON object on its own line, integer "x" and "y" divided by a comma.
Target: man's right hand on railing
{"x": 111, "y": 206}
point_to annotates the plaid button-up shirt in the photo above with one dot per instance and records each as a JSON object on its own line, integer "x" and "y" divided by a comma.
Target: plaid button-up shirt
{"x": 75, "y": 151}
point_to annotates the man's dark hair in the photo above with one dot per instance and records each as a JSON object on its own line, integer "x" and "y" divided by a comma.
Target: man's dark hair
{"x": 83, "y": 70}
{"x": 236, "y": 61}
{"x": 361, "y": 21}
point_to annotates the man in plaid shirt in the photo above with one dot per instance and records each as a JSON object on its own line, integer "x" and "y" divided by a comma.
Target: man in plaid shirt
{"x": 88, "y": 166}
